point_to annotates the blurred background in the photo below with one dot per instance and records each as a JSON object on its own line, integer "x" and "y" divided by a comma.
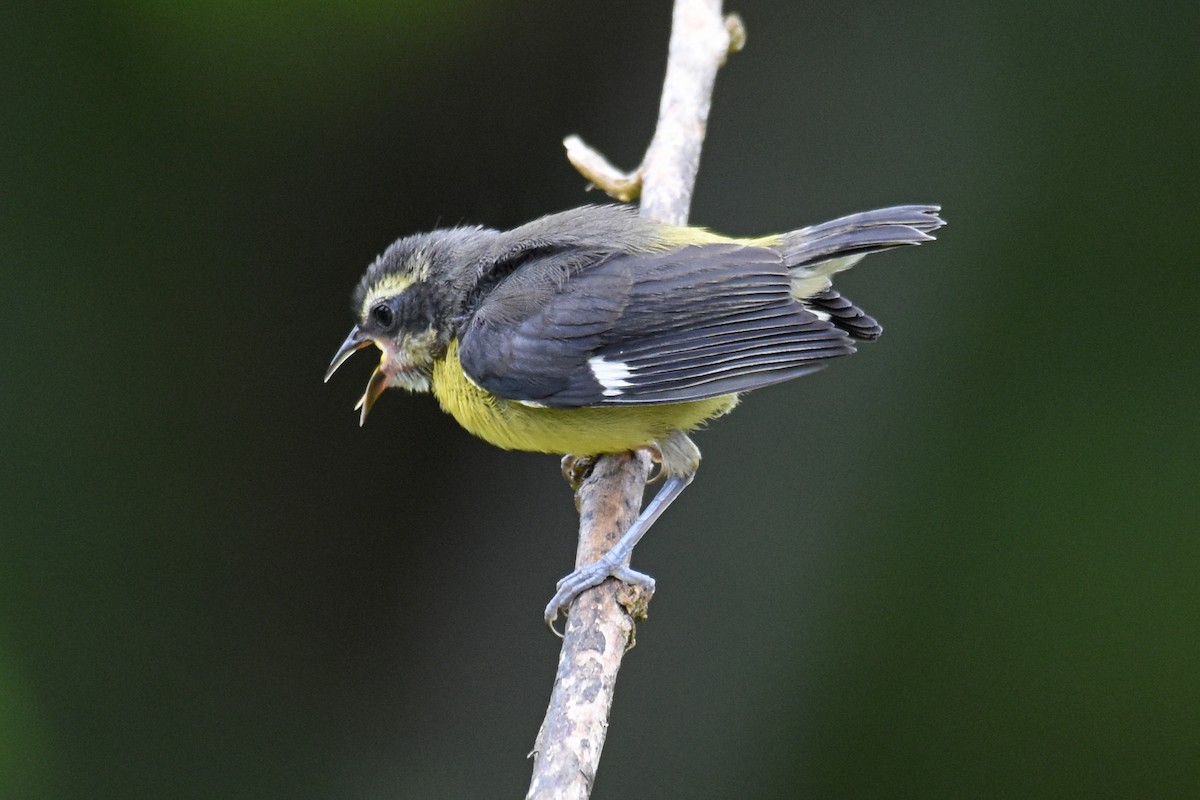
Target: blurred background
{"x": 960, "y": 564}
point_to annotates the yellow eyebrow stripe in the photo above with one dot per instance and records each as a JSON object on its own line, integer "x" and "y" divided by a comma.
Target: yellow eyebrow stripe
{"x": 388, "y": 286}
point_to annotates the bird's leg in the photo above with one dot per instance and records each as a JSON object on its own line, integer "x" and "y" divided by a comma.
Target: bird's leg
{"x": 615, "y": 563}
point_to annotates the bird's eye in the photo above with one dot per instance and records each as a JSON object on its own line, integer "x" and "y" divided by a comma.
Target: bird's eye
{"x": 382, "y": 315}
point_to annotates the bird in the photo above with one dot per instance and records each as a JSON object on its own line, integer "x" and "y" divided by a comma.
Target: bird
{"x": 596, "y": 330}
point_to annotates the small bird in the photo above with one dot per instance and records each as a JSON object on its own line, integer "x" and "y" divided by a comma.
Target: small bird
{"x": 596, "y": 331}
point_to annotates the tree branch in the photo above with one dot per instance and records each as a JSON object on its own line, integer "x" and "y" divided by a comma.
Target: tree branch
{"x": 600, "y": 628}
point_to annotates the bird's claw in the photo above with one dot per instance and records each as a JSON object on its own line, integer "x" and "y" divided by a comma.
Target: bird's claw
{"x": 588, "y": 576}
{"x": 577, "y": 469}
{"x": 656, "y": 462}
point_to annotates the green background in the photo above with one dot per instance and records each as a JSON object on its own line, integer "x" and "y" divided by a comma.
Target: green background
{"x": 962, "y": 563}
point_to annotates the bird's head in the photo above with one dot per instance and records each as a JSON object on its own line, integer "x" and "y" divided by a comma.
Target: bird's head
{"x": 407, "y": 304}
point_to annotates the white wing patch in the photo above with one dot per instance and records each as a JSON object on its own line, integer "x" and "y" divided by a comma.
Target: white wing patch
{"x": 612, "y": 375}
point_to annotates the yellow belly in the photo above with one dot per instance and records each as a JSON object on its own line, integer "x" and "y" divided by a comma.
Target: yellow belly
{"x": 582, "y": 431}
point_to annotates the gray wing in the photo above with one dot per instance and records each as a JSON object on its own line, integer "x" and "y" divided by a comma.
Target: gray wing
{"x": 667, "y": 327}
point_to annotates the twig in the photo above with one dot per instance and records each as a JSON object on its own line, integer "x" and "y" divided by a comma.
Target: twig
{"x": 599, "y": 628}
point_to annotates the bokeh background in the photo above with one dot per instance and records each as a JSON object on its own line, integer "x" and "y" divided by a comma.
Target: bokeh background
{"x": 962, "y": 563}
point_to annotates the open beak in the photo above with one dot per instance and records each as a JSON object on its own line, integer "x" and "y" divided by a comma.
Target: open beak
{"x": 375, "y": 387}
{"x": 379, "y": 380}
{"x": 355, "y": 341}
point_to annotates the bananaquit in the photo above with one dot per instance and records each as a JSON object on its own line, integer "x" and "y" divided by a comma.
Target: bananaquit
{"x": 598, "y": 331}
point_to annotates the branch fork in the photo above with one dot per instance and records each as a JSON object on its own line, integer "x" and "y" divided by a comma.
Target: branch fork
{"x": 627, "y": 186}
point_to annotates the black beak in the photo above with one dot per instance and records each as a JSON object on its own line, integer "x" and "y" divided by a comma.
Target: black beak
{"x": 355, "y": 341}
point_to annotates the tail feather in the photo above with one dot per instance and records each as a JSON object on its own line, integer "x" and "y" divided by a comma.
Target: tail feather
{"x": 859, "y": 234}
{"x": 815, "y": 254}
{"x": 923, "y": 218}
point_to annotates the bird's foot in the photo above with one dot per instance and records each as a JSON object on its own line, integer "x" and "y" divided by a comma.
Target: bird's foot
{"x": 591, "y": 575}
{"x": 577, "y": 469}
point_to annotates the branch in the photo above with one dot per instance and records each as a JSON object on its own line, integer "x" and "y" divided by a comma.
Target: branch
{"x": 600, "y": 628}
